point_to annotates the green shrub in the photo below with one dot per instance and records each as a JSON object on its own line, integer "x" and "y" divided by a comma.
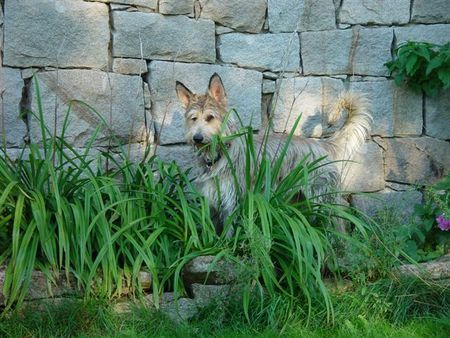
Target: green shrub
{"x": 423, "y": 66}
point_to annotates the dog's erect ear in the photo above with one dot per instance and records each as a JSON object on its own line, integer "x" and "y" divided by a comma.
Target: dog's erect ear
{"x": 184, "y": 94}
{"x": 216, "y": 90}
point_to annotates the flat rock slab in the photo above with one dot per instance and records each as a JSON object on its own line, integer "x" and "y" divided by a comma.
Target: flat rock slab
{"x": 301, "y": 15}
{"x": 58, "y": 33}
{"x": 175, "y": 38}
{"x": 244, "y": 16}
{"x": 11, "y": 87}
{"x": 437, "y": 117}
{"x": 176, "y": 6}
{"x": 117, "y": 99}
{"x": 308, "y": 97}
{"x": 206, "y": 270}
{"x": 382, "y": 12}
{"x": 421, "y": 160}
{"x": 141, "y": 3}
{"x": 351, "y": 51}
{"x": 129, "y": 66}
{"x": 275, "y": 52}
{"x": 430, "y": 11}
{"x": 438, "y": 269}
{"x": 402, "y": 202}
{"x": 437, "y": 34}
{"x": 243, "y": 88}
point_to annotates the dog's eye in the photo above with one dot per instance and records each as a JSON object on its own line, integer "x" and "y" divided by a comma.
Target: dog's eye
{"x": 194, "y": 118}
{"x": 209, "y": 118}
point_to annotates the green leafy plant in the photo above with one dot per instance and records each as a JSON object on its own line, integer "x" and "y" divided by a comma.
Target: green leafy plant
{"x": 433, "y": 221}
{"x": 422, "y": 66}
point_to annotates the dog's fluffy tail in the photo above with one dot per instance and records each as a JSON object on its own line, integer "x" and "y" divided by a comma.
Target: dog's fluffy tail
{"x": 357, "y": 127}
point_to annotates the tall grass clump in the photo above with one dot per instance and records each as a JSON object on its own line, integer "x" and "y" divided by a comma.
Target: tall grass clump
{"x": 61, "y": 210}
{"x": 282, "y": 232}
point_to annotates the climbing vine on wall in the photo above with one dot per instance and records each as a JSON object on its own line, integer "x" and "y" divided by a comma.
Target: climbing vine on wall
{"x": 422, "y": 66}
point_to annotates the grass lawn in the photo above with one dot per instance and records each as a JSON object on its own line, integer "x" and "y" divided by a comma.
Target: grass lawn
{"x": 95, "y": 319}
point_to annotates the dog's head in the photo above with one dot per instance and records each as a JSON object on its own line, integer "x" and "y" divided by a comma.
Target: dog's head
{"x": 204, "y": 114}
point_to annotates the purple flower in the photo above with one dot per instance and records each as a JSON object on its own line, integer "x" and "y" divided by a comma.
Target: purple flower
{"x": 443, "y": 224}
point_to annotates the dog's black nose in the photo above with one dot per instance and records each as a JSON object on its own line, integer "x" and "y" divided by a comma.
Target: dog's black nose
{"x": 198, "y": 138}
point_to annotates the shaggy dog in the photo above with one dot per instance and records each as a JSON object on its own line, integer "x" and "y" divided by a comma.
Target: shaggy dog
{"x": 207, "y": 116}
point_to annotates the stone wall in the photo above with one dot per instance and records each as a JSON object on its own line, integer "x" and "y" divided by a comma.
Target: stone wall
{"x": 276, "y": 57}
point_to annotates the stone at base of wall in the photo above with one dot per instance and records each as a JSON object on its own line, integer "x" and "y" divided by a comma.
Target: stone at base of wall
{"x": 402, "y": 202}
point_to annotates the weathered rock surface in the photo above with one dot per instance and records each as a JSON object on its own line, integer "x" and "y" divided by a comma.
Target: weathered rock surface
{"x": 275, "y": 52}
{"x": 58, "y": 33}
{"x": 142, "y": 3}
{"x": 402, "y": 202}
{"x": 437, "y": 269}
{"x": 310, "y": 97}
{"x": 205, "y": 295}
{"x": 382, "y": 12}
{"x": 176, "y": 6}
{"x": 269, "y": 86}
{"x": 206, "y": 270}
{"x": 178, "y": 309}
{"x": 407, "y": 111}
{"x": 437, "y": 34}
{"x": 428, "y": 11}
{"x": 244, "y": 16}
{"x": 437, "y": 117}
{"x": 176, "y": 38}
{"x": 394, "y": 110}
{"x": 421, "y": 160}
{"x": 117, "y": 98}
{"x": 129, "y": 66}
{"x": 243, "y": 89}
{"x": 354, "y": 173}
{"x": 11, "y": 86}
{"x": 183, "y": 155}
{"x": 41, "y": 287}
{"x": 356, "y": 51}
{"x": 301, "y": 15}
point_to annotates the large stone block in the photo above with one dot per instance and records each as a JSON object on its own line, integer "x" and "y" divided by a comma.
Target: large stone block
{"x": 176, "y": 38}
{"x": 438, "y": 34}
{"x": 401, "y": 202}
{"x": 142, "y": 3}
{"x": 431, "y": 11}
{"x": 395, "y": 110}
{"x": 421, "y": 160}
{"x": 244, "y": 16}
{"x": 176, "y": 6}
{"x": 243, "y": 89}
{"x": 437, "y": 116}
{"x": 365, "y": 172}
{"x": 117, "y": 99}
{"x": 382, "y": 12}
{"x": 309, "y": 97}
{"x": 356, "y": 51}
{"x": 301, "y": 15}
{"x": 11, "y": 87}
{"x": 275, "y": 52}
{"x": 58, "y": 33}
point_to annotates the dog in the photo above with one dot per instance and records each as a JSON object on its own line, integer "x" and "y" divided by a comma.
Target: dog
{"x": 207, "y": 115}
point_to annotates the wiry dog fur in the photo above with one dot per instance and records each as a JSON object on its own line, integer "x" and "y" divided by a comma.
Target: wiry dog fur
{"x": 207, "y": 115}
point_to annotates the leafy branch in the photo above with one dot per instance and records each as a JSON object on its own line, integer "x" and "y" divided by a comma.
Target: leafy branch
{"x": 422, "y": 66}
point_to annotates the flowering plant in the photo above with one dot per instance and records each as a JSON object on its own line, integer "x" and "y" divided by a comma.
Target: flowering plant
{"x": 433, "y": 233}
